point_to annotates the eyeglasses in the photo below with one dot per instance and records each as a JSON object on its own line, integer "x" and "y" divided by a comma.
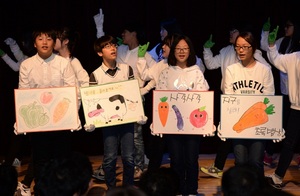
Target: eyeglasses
{"x": 178, "y": 50}
{"x": 245, "y": 48}
{"x": 110, "y": 45}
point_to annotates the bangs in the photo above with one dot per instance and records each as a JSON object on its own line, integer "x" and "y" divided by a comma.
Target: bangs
{"x": 109, "y": 41}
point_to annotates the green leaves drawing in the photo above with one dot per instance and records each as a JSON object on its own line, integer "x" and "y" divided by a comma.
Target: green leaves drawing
{"x": 33, "y": 115}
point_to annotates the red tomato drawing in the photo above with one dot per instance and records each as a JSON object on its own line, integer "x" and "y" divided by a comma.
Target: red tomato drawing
{"x": 46, "y": 97}
{"x": 198, "y": 117}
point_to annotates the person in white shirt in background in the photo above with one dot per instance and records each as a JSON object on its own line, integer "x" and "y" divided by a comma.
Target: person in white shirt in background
{"x": 19, "y": 55}
{"x": 65, "y": 44}
{"x": 287, "y": 44}
{"x": 156, "y": 145}
{"x": 153, "y": 72}
{"x": 167, "y": 27}
{"x": 289, "y": 64}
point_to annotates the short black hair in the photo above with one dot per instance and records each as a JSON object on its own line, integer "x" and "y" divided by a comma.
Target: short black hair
{"x": 8, "y": 180}
{"x": 162, "y": 181}
{"x": 44, "y": 30}
{"x": 103, "y": 41}
{"x": 65, "y": 176}
{"x": 136, "y": 26}
{"x": 242, "y": 180}
{"x": 71, "y": 34}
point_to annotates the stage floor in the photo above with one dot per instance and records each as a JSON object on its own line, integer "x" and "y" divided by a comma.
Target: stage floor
{"x": 207, "y": 185}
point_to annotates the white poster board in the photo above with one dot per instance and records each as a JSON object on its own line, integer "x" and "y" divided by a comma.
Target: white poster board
{"x": 251, "y": 116}
{"x": 183, "y": 112}
{"x": 112, "y": 104}
{"x": 46, "y": 109}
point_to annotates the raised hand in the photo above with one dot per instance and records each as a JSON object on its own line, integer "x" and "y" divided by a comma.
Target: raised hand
{"x": 267, "y": 25}
{"x": 99, "y": 20}
{"x": 2, "y": 53}
{"x": 142, "y": 50}
{"x": 10, "y": 41}
{"x": 209, "y": 43}
{"x": 119, "y": 41}
{"x": 272, "y": 36}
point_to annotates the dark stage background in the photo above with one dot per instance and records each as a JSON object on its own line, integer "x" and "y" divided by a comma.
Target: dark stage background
{"x": 198, "y": 19}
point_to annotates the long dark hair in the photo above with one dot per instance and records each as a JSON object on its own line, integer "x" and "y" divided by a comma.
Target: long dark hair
{"x": 169, "y": 39}
{"x": 192, "y": 57}
{"x": 291, "y": 44}
{"x": 73, "y": 37}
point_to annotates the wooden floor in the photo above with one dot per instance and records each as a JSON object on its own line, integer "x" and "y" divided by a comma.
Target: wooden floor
{"x": 206, "y": 185}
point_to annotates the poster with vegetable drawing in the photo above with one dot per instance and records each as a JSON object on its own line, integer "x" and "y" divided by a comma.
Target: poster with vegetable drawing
{"x": 112, "y": 104}
{"x": 183, "y": 112}
{"x": 251, "y": 116}
{"x": 46, "y": 109}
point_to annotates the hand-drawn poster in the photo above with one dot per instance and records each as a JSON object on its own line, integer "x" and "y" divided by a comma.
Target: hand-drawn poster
{"x": 46, "y": 109}
{"x": 112, "y": 104}
{"x": 183, "y": 112}
{"x": 251, "y": 116}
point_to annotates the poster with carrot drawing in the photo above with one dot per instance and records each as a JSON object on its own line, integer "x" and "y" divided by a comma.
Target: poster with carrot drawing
{"x": 251, "y": 116}
{"x": 183, "y": 112}
{"x": 46, "y": 109}
{"x": 112, "y": 104}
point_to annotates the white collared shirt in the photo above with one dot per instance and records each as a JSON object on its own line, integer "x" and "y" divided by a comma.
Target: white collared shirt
{"x": 54, "y": 71}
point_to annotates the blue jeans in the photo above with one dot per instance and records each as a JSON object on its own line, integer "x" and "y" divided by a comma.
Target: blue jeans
{"x": 112, "y": 136}
{"x": 139, "y": 151}
{"x": 184, "y": 151}
{"x": 292, "y": 136}
{"x": 249, "y": 151}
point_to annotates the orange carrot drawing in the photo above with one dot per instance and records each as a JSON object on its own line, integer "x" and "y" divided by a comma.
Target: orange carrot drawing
{"x": 163, "y": 110}
{"x": 61, "y": 109}
{"x": 256, "y": 115}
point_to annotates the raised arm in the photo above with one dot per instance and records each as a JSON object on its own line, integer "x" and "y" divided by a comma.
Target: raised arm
{"x": 14, "y": 47}
{"x": 264, "y": 35}
{"x": 11, "y": 63}
{"x": 99, "y": 20}
{"x": 211, "y": 62}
